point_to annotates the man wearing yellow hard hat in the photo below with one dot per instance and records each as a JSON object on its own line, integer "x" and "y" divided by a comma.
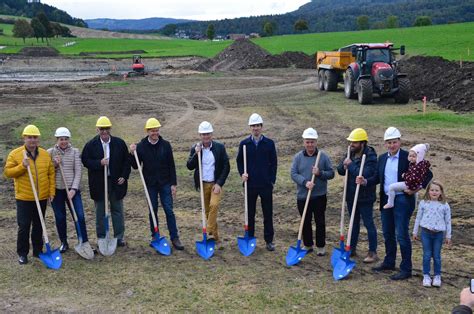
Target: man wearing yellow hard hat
{"x": 358, "y": 139}
{"x": 111, "y": 151}
{"x": 42, "y": 168}
{"x": 159, "y": 171}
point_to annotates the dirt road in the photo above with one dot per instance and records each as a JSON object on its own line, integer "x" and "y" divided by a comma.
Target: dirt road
{"x": 137, "y": 279}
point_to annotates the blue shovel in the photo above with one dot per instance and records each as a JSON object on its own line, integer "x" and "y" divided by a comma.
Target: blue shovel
{"x": 160, "y": 244}
{"x": 204, "y": 248}
{"x": 51, "y": 258}
{"x": 344, "y": 265}
{"x": 297, "y": 253}
{"x": 246, "y": 243}
{"x": 337, "y": 252}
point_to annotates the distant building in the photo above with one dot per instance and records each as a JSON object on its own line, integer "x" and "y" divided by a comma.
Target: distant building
{"x": 236, "y": 36}
{"x": 34, "y": 1}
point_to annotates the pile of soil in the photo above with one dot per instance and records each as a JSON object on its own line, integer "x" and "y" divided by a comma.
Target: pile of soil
{"x": 244, "y": 54}
{"x": 441, "y": 81}
{"x": 39, "y": 52}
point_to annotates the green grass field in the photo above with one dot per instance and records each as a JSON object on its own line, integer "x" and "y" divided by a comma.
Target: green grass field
{"x": 452, "y": 41}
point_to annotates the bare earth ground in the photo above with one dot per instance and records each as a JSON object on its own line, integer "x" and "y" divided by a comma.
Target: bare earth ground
{"x": 137, "y": 279}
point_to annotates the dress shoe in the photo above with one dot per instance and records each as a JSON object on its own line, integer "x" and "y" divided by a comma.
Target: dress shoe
{"x": 308, "y": 248}
{"x": 121, "y": 242}
{"x": 177, "y": 244}
{"x": 64, "y": 247}
{"x": 22, "y": 260}
{"x": 383, "y": 267}
{"x": 37, "y": 253}
{"x": 400, "y": 276}
{"x": 270, "y": 246}
{"x": 371, "y": 258}
{"x": 353, "y": 253}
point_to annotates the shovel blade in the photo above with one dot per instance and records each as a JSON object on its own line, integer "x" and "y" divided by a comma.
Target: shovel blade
{"x": 295, "y": 255}
{"x": 205, "y": 248}
{"x": 161, "y": 245}
{"x": 336, "y": 256}
{"x": 107, "y": 245}
{"x": 247, "y": 245}
{"x": 51, "y": 258}
{"x": 84, "y": 250}
{"x": 343, "y": 266}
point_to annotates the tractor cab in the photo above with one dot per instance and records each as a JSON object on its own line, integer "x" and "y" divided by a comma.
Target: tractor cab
{"x": 137, "y": 65}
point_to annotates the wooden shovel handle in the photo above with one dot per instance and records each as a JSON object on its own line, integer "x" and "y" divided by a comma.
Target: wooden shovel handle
{"x": 106, "y": 187}
{"x": 38, "y": 206}
{"x": 354, "y": 205}
{"x": 152, "y": 213}
{"x": 344, "y": 194}
{"x": 303, "y": 216}
{"x": 201, "y": 185}
{"x": 245, "y": 190}
{"x": 74, "y": 215}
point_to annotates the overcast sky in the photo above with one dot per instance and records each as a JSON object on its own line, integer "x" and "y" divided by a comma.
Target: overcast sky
{"x": 184, "y": 9}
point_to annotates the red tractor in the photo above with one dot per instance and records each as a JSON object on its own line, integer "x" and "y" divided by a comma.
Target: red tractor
{"x": 375, "y": 70}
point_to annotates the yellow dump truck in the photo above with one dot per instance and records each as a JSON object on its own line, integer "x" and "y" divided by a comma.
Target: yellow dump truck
{"x": 365, "y": 69}
{"x": 331, "y": 66}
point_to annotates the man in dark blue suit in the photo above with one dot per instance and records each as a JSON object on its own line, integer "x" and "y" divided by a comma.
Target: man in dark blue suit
{"x": 396, "y": 220}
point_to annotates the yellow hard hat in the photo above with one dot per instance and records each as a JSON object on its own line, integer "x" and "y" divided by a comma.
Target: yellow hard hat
{"x": 31, "y": 130}
{"x": 103, "y": 122}
{"x": 152, "y": 123}
{"x": 358, "y": 135}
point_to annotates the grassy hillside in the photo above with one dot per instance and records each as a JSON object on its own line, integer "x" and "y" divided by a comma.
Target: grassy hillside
{"x": 451, "y": 41}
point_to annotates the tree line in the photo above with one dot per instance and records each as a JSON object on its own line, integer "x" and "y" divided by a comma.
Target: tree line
{"x": 23, "y": 8}
{"x": 39, "y": 27}
{"x": 341, "y": 15}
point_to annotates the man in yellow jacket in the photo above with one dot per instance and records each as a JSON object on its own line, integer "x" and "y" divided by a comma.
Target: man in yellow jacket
{"x": 42, "y": 168}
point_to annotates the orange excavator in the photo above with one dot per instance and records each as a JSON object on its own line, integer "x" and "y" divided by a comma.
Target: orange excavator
{"x": 138, "y": 68}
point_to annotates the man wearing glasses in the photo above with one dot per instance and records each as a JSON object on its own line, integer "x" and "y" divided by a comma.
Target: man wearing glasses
{"x": 107, "y": 150}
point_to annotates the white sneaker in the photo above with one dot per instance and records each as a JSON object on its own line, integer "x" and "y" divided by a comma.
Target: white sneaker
{"x": 320, "y": 251}
{"x": 437, "y": 281}
{"x": 426, "y": 281}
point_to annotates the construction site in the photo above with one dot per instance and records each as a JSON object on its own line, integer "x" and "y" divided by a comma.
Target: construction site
{"x": 53, "y": 91}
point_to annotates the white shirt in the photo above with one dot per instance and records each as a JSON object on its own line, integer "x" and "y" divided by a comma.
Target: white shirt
{"x": 391, "y": 171}
{"x": 208, "y": 164}
{"x": 106, "y": 147}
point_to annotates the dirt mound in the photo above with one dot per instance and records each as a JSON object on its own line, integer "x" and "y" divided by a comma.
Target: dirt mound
{"x": 441, "y": 81}
{"x": 39, "y": 52}
{"x": 244, "y": 54}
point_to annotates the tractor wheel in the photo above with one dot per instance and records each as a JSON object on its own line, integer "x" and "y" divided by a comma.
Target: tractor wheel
{"x": 321, "y": 79}
{"x": 330, "y": 80}
{"x": 365, "y": 91}
{"x": 402, "y": 96}
{"x": 349, "y": 84}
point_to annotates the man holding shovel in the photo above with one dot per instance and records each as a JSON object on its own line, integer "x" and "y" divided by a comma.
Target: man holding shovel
{"x": 302, "y": 169}
{"x": 396, "y": 220}
{"x": 358, "y": 146}
{"x": 215, "y": 169}
{"x": 68, "y": 157}
{"x": 38, "y": 159}
{"x": 156, "y": 156}
{"x": 106, "y": 150}
{"x": 260, "y": 176}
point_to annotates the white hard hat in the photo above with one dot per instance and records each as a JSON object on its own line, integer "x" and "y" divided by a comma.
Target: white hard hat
{"x": 255, "y": 118}
{"x": 62, "y": 132}
{"x": 205, "y": 127}
{"x": 391, "y": 133}
{"x": 310, "y": 134}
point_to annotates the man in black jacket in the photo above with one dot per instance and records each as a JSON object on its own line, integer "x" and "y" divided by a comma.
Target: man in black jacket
{"x": 395, "y": 221}
{"x": 156, "y": 156}
{"x": 112, "y": 151}
{"x": 215, "y": 169}
{"x": 260, "y": 176}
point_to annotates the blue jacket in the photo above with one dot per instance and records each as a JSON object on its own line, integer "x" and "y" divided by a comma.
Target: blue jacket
{"x": 379, "y": 176}
{"x": 261, "y": 162}
{"x": 366, "y": 193}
